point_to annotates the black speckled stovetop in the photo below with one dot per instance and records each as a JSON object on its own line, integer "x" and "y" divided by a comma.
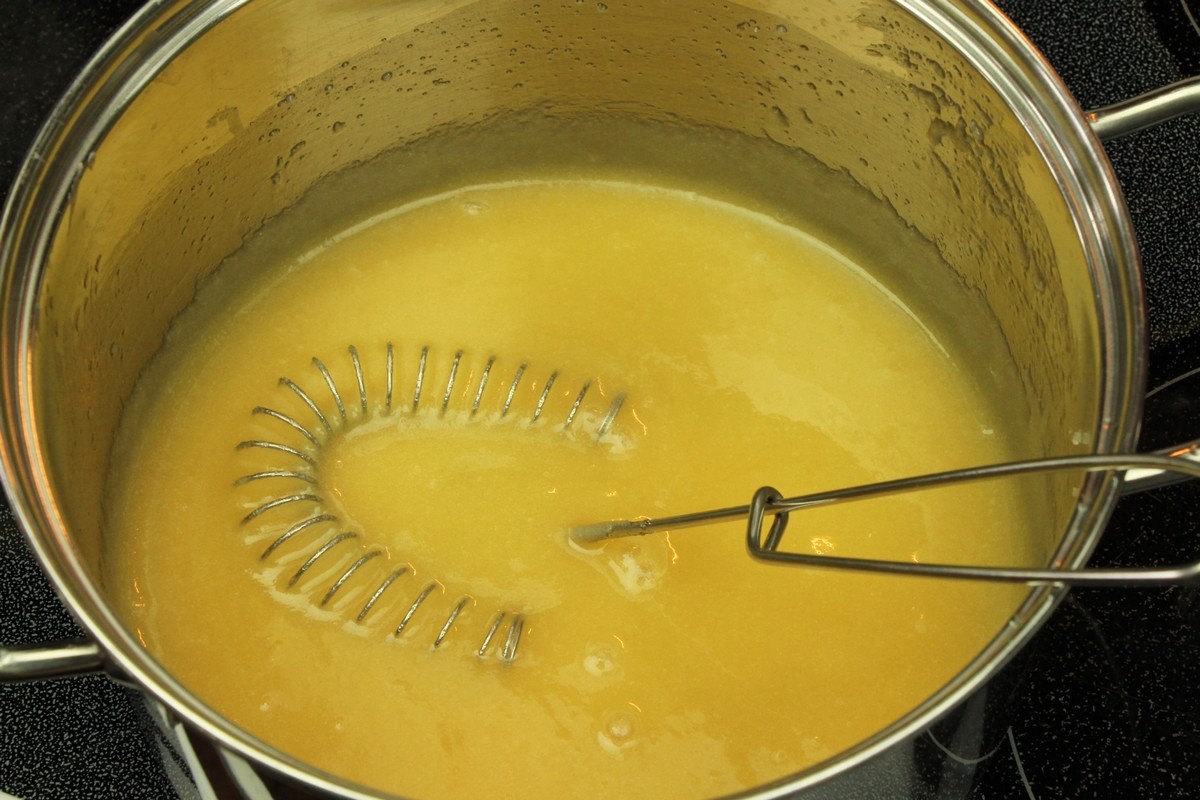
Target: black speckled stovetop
{"x": 1110, "y": 704}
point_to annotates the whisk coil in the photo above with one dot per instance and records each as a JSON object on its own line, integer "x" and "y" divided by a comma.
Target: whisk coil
{"x": 504, "y": 632}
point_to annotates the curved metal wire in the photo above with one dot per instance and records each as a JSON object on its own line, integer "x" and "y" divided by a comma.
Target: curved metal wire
{"x": 763, "y": 545}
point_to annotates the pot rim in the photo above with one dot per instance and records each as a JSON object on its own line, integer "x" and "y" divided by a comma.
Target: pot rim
{"x": 162, "y": 29}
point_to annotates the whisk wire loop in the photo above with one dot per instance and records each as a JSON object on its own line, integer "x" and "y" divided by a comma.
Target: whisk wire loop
{"x": 374, "y": 598}
{"x": 358, "y": 377}
{"x": 294, "y": 530}
{"x": 283, "y": 448}
{"x": 308, "y": 401}
{"x": 321, "y": 551}
{"x": 345, "y": 576}
{"x": 285, "y": 419}
{"x": 333, "y": 390}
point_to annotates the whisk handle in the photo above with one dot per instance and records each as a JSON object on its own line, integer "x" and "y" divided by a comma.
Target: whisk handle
{"x": 768, "y": 501}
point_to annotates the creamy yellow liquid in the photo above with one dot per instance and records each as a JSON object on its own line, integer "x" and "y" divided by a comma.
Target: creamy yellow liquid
{"x": 746, "y": 352}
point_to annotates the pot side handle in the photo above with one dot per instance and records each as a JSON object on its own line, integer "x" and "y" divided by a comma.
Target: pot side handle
{"x": 1175, "y": 402}
{"x": 1140, "y": 480}
{"x": 1145, "y": 110}
{"x": 1121, "y": 119}
{"x": 56, "y": 660}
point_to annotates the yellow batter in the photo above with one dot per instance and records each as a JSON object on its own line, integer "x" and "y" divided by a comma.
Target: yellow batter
{"x": 744, "y": 353}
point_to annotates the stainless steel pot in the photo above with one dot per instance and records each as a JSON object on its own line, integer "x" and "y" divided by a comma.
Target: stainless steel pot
{"x": 200, "y": 121}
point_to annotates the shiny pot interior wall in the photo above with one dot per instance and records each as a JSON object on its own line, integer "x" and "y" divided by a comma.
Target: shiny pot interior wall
{"x": 276, "y": 95}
